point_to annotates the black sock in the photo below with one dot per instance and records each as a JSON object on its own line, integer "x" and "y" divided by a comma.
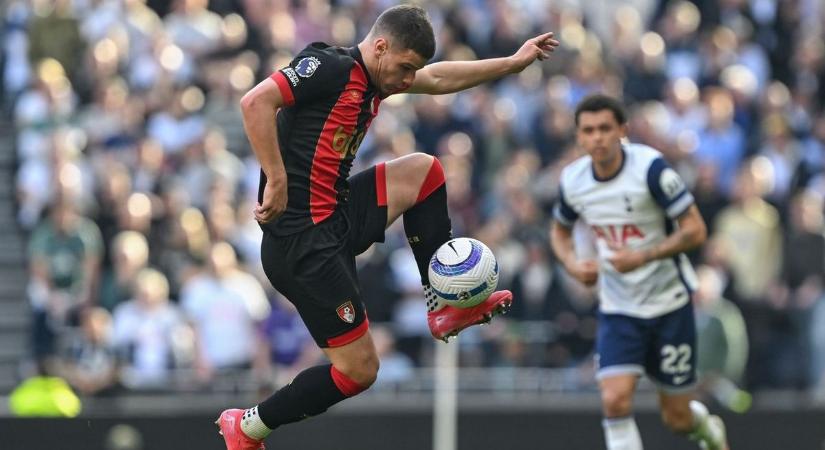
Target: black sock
{"x": 309, "y": 394}
{"x": 427, "y": 226}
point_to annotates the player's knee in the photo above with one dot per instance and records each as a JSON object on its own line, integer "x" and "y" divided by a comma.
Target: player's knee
{"x": 420, "y": 162}
{"x": 419, "y": 165}
{"x": 616, "y": 403}
{"x": 363, "y": 370}
{"x": 369, "y": 371}
{"x": 679, "y": 420}
{"x": 430, "y": 168}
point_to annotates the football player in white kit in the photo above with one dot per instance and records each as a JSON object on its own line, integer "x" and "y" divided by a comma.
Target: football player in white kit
{"x": 643, "y": 220}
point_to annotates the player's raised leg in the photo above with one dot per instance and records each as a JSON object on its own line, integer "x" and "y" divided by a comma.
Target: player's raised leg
{"x": 620, "y": 430}
{"x": 354, "y": 369}
{"x": 689, "y": 417}
{"x": 415, "y": 187}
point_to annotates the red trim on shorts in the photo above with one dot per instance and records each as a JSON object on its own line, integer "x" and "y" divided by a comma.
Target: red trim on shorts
{"x": 283, "y": 85}
{"x": 435, "y": 178}
{"x": 350, "y": 335}
{"x": 326, "y": 163}
{"x": 381, "y": 183}
{"x": 344, "y": 383}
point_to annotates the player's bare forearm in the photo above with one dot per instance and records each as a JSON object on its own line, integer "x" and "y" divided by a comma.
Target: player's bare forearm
{"x": 561, "y": 241}
{"x": 692, "y": 233}
{"x": 452, "y": 76}
{"x": 259, "y": 107}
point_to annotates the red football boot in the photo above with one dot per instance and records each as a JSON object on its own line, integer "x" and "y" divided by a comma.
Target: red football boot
{"x": 229, "y": 424}
{"x": 447, "y": 321}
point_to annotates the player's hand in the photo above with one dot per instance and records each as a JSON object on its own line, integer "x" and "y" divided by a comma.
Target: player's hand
{"x": 626, "y": 260}
{"x": 274, "y": 200}
{"x": 538, "y": 47}
{"x": 587, "y": 272}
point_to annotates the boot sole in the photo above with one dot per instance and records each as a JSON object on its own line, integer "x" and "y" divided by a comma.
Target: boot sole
{"x": 501, "y": 309}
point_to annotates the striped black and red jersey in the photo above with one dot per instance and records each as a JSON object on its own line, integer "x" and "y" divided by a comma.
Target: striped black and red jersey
{"x": 330, "y": 103}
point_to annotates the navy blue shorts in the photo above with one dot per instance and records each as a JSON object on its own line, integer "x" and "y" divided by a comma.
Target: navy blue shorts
{"x": 662, "y": 347}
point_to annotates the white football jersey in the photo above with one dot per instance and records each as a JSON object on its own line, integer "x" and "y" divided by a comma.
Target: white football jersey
{"x": 636, "y": 208}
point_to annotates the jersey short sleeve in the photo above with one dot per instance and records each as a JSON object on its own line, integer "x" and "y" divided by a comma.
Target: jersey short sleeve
{"x": 311, "y": 75}
{"x": 563, "y": 213}
{"x": 668, "y": 189}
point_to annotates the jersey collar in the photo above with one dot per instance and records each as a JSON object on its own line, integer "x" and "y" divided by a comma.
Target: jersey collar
{"x": 621, "y": 167}
{"x": 355, "y": 52}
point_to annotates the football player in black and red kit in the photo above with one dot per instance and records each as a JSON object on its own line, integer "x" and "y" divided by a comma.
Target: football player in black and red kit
{"x": 305, "y": 123}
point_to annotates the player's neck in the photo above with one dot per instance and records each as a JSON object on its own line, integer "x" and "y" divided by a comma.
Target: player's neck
{"x": 368, "y": 57}
{"x": 605, "y": 170}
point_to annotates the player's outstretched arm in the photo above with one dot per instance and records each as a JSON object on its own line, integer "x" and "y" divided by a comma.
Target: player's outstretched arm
{"x": 259, "y": 107}
{"x": 452, "y": 76}
{"x": 561, "y": 240}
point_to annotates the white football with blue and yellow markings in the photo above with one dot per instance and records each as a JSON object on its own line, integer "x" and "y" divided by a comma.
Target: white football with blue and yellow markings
{"x": 463, "y": 272}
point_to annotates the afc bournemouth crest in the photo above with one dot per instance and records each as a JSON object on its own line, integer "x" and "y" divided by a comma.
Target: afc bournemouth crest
{"x": 346, "y": 312}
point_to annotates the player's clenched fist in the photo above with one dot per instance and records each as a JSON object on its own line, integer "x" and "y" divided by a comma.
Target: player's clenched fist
{"x": 274, "y": 201}
{"x": 626, "y": 260}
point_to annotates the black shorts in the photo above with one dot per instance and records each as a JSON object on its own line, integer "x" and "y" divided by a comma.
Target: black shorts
{"x": 315, "y": 268}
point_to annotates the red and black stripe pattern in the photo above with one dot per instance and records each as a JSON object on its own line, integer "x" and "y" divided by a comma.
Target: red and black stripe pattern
{"x": 330, "y": 105}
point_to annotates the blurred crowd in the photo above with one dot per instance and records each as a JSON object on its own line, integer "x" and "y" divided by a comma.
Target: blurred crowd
{"x": 136, "y": 184}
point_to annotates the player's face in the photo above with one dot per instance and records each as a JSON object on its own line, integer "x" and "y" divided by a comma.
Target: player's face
{"x": 600, "y": 134}
{"x": 397, "y": 69}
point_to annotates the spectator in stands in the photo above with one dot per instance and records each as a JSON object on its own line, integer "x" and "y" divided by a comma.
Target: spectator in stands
{"x": 784, "y": 153}
{"x": 801, "y": 287}
{"x": 224, "y": 94}
{"x": 64, "y": 255}
{"x": 721, "y": 142}
{"x": 195, "y": 30}
{"x": 90, "y": 364}
{"x": 54, "y": 32}
{"x": 129, "y": 255}
{"x": 750, "y": 230}
{"x": 147, "y": 332}
{"x": 16, "y": 68}
{"x": 224, "y": 304}
{"x": 178, "y": 124}
{"x": 534, "y": 284}
{"x": 184, "y": 242}
{"x": 148, "y": 170}
{"x": 812, "y": 166}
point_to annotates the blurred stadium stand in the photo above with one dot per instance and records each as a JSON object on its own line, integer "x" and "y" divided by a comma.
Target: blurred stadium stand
{"x": 14, "y": 314}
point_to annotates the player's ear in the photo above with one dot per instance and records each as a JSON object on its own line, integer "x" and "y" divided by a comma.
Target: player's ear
{"x": 381, "y": 46}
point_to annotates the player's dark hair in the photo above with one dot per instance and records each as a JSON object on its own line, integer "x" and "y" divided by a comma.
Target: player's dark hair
{"x": 409, "y": 26}
{"x": 600, "y": 102}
